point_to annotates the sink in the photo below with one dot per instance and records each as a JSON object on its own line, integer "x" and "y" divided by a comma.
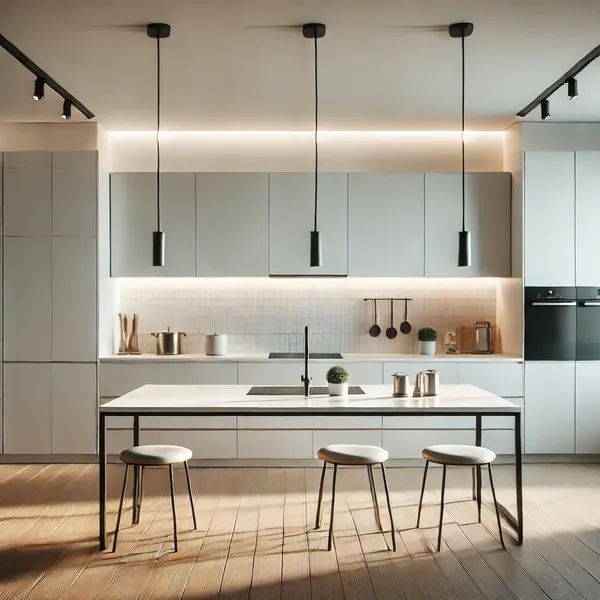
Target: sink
{"x": 311, "y": 355}
{"x": 297, "y": 390}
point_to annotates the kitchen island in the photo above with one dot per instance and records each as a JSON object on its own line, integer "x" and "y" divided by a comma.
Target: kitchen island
{"x": 377, "y": 400}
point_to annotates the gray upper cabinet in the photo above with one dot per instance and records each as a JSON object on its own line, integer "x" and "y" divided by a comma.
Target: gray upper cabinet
{"x": 549, "y": 218}
{"x": 291, "y": 210}
{"x": 27, "y": 194}
{"x": 74, "y": 196}
{"x": 587, "y": 217}
{"x": 386, "y": 230}
{"x": 133, "y": 219}
{"x": 232, "y": 224}
{"x": 487, "y": 218}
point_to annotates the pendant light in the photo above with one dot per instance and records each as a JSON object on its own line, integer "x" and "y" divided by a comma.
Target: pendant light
{"x": 315, "y": 31}
{"x": 463, "y": 30}
{"x": 158, "y": 31}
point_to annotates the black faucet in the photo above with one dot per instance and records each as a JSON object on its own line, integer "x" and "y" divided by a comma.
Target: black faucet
{"x": 305, "y": 378}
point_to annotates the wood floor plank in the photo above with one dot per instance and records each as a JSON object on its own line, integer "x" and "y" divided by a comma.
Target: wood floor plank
{"x": 295, "y": 574}
{"x": 256, "y": 537}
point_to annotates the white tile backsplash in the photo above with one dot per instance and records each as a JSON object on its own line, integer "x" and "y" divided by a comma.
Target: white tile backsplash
{"x": 268, "y": 315}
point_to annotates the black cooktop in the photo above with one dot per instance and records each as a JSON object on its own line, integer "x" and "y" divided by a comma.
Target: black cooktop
{"x": 311, "y": 355}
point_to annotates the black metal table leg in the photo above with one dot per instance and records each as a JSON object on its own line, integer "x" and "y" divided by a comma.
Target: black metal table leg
{"x": 136, "y": 471}
{"x": 330, "y": 540}
{"x": 189, "y": 483}
{"x": 102, "y": 478}
{"x": 439, "y": 543}
{"x": 175, "y": 548}
{"x": 320, "y": 501}
{"x": 422, "y": 493}
{"x": 374, "y": 497}
{"x": 389, "y": 503}
{"x": 477, "y": 472}
{"x": 519, "y": 476}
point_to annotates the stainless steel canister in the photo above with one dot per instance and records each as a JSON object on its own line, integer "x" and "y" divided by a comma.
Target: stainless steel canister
{"x": 427, "y": 383}
{"x": 169, "y": 342}
{"x": 401, "y": 385}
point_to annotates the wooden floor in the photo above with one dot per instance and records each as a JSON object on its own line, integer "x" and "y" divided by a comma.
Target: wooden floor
{"x": 255, "y": 537}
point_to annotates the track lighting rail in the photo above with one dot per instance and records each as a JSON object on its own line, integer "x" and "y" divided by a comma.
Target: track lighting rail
{"x": 564, "y": 79}
{"x": 38, "y": 72}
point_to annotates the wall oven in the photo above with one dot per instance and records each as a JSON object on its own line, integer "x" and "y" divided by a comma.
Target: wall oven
{"x": 588, "y": 323}
{"x": 551, "y": 323}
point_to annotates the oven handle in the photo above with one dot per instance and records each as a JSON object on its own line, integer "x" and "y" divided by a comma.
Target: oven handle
{"x": 555, "y": 304}
{"x": 590, "y": 304}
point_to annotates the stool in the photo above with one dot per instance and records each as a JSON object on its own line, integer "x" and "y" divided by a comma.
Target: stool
{"x": 354, "y": 456}
{"x": 460, "y": 456}
{"x": 153, "y": 456}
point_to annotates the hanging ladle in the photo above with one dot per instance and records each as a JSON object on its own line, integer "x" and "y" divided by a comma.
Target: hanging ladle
{"x": 405, "y": 326}
{"x": 375, "y": 330}
{"x": 391, "y": 332}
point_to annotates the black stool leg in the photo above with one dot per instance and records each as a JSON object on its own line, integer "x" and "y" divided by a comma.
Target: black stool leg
{"x": 187, "y": 474}
{"x": 114, "y": 548}
{"x": 478, "y": 468}
{"x": 319, "y": 513}
{"x": 330, "y": 541}
{"x": 422, "y": 493}
{"x": 374, "y": 496}
{"x": 387, "y": 496}
{"x": 496, "y": 506}
{"x": 140, "y": 493}
{"x": 136, "y": 482}
{"x": 439, "y": 544}
{"x": 173, "y": 506}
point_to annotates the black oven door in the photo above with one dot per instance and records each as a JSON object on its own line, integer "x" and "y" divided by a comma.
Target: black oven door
{"x": 550, "y": 324}
{"x": 588, "y": 323}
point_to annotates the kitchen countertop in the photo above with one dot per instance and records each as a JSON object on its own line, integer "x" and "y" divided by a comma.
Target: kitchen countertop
{"x": 234, "y": 399}
{"x": 347, "y": 357}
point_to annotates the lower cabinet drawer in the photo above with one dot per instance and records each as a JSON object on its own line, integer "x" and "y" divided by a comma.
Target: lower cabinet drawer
{"x": 408, "y": 443}
{"x": 203, "y": 444}
{"x": 275, "y": 444}
{"x": 369, "y": 437}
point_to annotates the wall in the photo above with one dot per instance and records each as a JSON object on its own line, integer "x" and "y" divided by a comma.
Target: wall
{"x": 369, "y": 151}
{"x": 268, "y": 315}
{"x": 55, "y": 137}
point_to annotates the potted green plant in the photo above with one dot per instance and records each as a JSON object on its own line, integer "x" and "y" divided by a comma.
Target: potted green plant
{"x": 337, "y": 378}
{"x": 427, "y": 340}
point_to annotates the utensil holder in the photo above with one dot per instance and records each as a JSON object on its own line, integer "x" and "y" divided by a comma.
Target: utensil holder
{"x": 133, "y": 346}
{"x": 123, "y": 334}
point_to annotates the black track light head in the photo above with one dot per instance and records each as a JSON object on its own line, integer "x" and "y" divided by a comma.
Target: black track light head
{"x": 38, "y": 88}
{"x": 545, "y": 109}
{"x": 66, "y": 113}
{"x": 572, "y": 92}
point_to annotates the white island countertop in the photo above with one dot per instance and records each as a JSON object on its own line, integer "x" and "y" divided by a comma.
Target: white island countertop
{"x": 347, "y": 357}
{"x": 233, "y": 399}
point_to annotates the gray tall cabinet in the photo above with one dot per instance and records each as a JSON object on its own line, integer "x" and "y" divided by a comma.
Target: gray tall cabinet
{"x": 50, "y": 302}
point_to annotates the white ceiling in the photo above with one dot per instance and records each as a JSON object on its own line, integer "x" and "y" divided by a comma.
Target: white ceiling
{"x": 240, "y": 64}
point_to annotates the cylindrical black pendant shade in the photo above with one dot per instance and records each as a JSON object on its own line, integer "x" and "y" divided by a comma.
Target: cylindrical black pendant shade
{"x": 464, "y": 248}
{"x": 158, "y": 248}
{"x": 315, "y": 249}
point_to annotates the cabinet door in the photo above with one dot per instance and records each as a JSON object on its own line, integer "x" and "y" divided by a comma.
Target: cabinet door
{"x": 386, "y": 229}
{"x": 587, "y": 408}
{"x": 487, "y": 217}
{"x": 549, "y": 407}
{"x": 28, "y": 299}
{"x": 504, "y": 379}
{"x": 549, "y": 219}
{"x": 74, "y": 406}
{"x": 232, "y": 224}
{"x": 74, "y": 196}
{"x": 74, "y": 315}
{"x": 133, "y": 219}
{"x": 27, "y": 193}
{"x": 291, "y": 214}
{"x": 587, "y": 215}
{"x": 28, "y": 408}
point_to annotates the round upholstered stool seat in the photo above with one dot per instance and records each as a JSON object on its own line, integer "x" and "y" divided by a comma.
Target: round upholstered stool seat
{"x": 353, "y": 454}
{"x": 458, "y": 455}
{"x": 154, "y": 456}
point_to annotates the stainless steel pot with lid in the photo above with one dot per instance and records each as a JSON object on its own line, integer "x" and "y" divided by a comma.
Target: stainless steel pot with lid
{"x": 169, "y": 342}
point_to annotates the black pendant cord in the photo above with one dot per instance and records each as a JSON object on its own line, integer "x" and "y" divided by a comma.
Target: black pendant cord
{"x": 158, "y": 219}
{"x": 462, "y": 129}
{"x": 316, "y": 132}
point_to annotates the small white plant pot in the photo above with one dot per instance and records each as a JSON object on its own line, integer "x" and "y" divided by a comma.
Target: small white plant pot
{"x": 427, "y": 348}
{"x": 338, "y": 389}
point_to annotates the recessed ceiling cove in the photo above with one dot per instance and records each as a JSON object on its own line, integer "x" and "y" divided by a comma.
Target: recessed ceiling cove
{"x": 384, "y": 64}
